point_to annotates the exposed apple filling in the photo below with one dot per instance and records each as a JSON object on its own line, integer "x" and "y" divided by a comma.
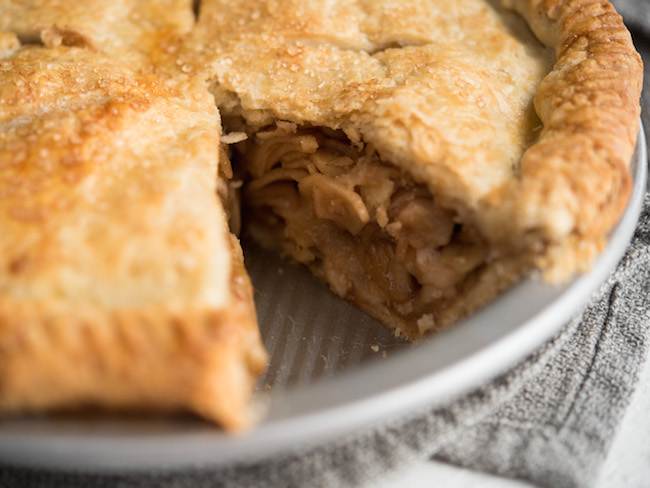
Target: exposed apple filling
{"x": 378, "y": 238}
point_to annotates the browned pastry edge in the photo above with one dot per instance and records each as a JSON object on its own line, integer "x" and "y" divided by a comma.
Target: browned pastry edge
{"x": 205, "y": 361}
{"x": 574, "y": 181}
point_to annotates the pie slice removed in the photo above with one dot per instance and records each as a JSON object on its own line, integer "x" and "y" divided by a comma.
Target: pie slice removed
{"x": 120, "y": 285}
{"x": 421, "y": 156}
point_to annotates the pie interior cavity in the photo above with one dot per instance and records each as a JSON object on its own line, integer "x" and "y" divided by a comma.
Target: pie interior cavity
{"x": 366, "y": 228}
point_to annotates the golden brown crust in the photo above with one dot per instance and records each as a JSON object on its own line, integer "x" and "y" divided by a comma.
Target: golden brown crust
{"x": 368, "y": 77}
{"x": 120, "y": 285}
{"x": 138, "y": 360}
{"x": 134, "y": 31}
{"x": 95, "y": 163}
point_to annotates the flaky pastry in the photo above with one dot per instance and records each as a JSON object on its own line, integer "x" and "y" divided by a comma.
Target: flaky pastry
{"x": 138, "y": 32}
{"x": 120, "y": 285}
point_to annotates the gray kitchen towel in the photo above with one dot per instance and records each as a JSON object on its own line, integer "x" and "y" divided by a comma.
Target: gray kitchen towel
{"x": 549, "y": 420}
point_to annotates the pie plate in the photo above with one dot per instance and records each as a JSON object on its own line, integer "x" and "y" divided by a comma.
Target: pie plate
{"x": 333, "y": 369}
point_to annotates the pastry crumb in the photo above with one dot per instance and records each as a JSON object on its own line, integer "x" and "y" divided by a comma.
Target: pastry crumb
{"x": 233, "y": 137}
{"x": 425, "y": 323}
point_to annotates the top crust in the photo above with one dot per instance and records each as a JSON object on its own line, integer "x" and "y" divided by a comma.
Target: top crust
{"x": 94, "y": 165}
{"x": 135, "y": 31}
{"x": 451, "y": 104}
{"x": 455, "y": 117}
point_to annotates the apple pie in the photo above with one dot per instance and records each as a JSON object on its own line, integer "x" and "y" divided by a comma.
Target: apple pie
{"x": 421, "y": 156}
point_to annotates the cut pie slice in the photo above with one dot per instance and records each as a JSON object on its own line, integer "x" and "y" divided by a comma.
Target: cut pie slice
{"x": 421, "y": 156}
{"x": 120, "y": 284}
